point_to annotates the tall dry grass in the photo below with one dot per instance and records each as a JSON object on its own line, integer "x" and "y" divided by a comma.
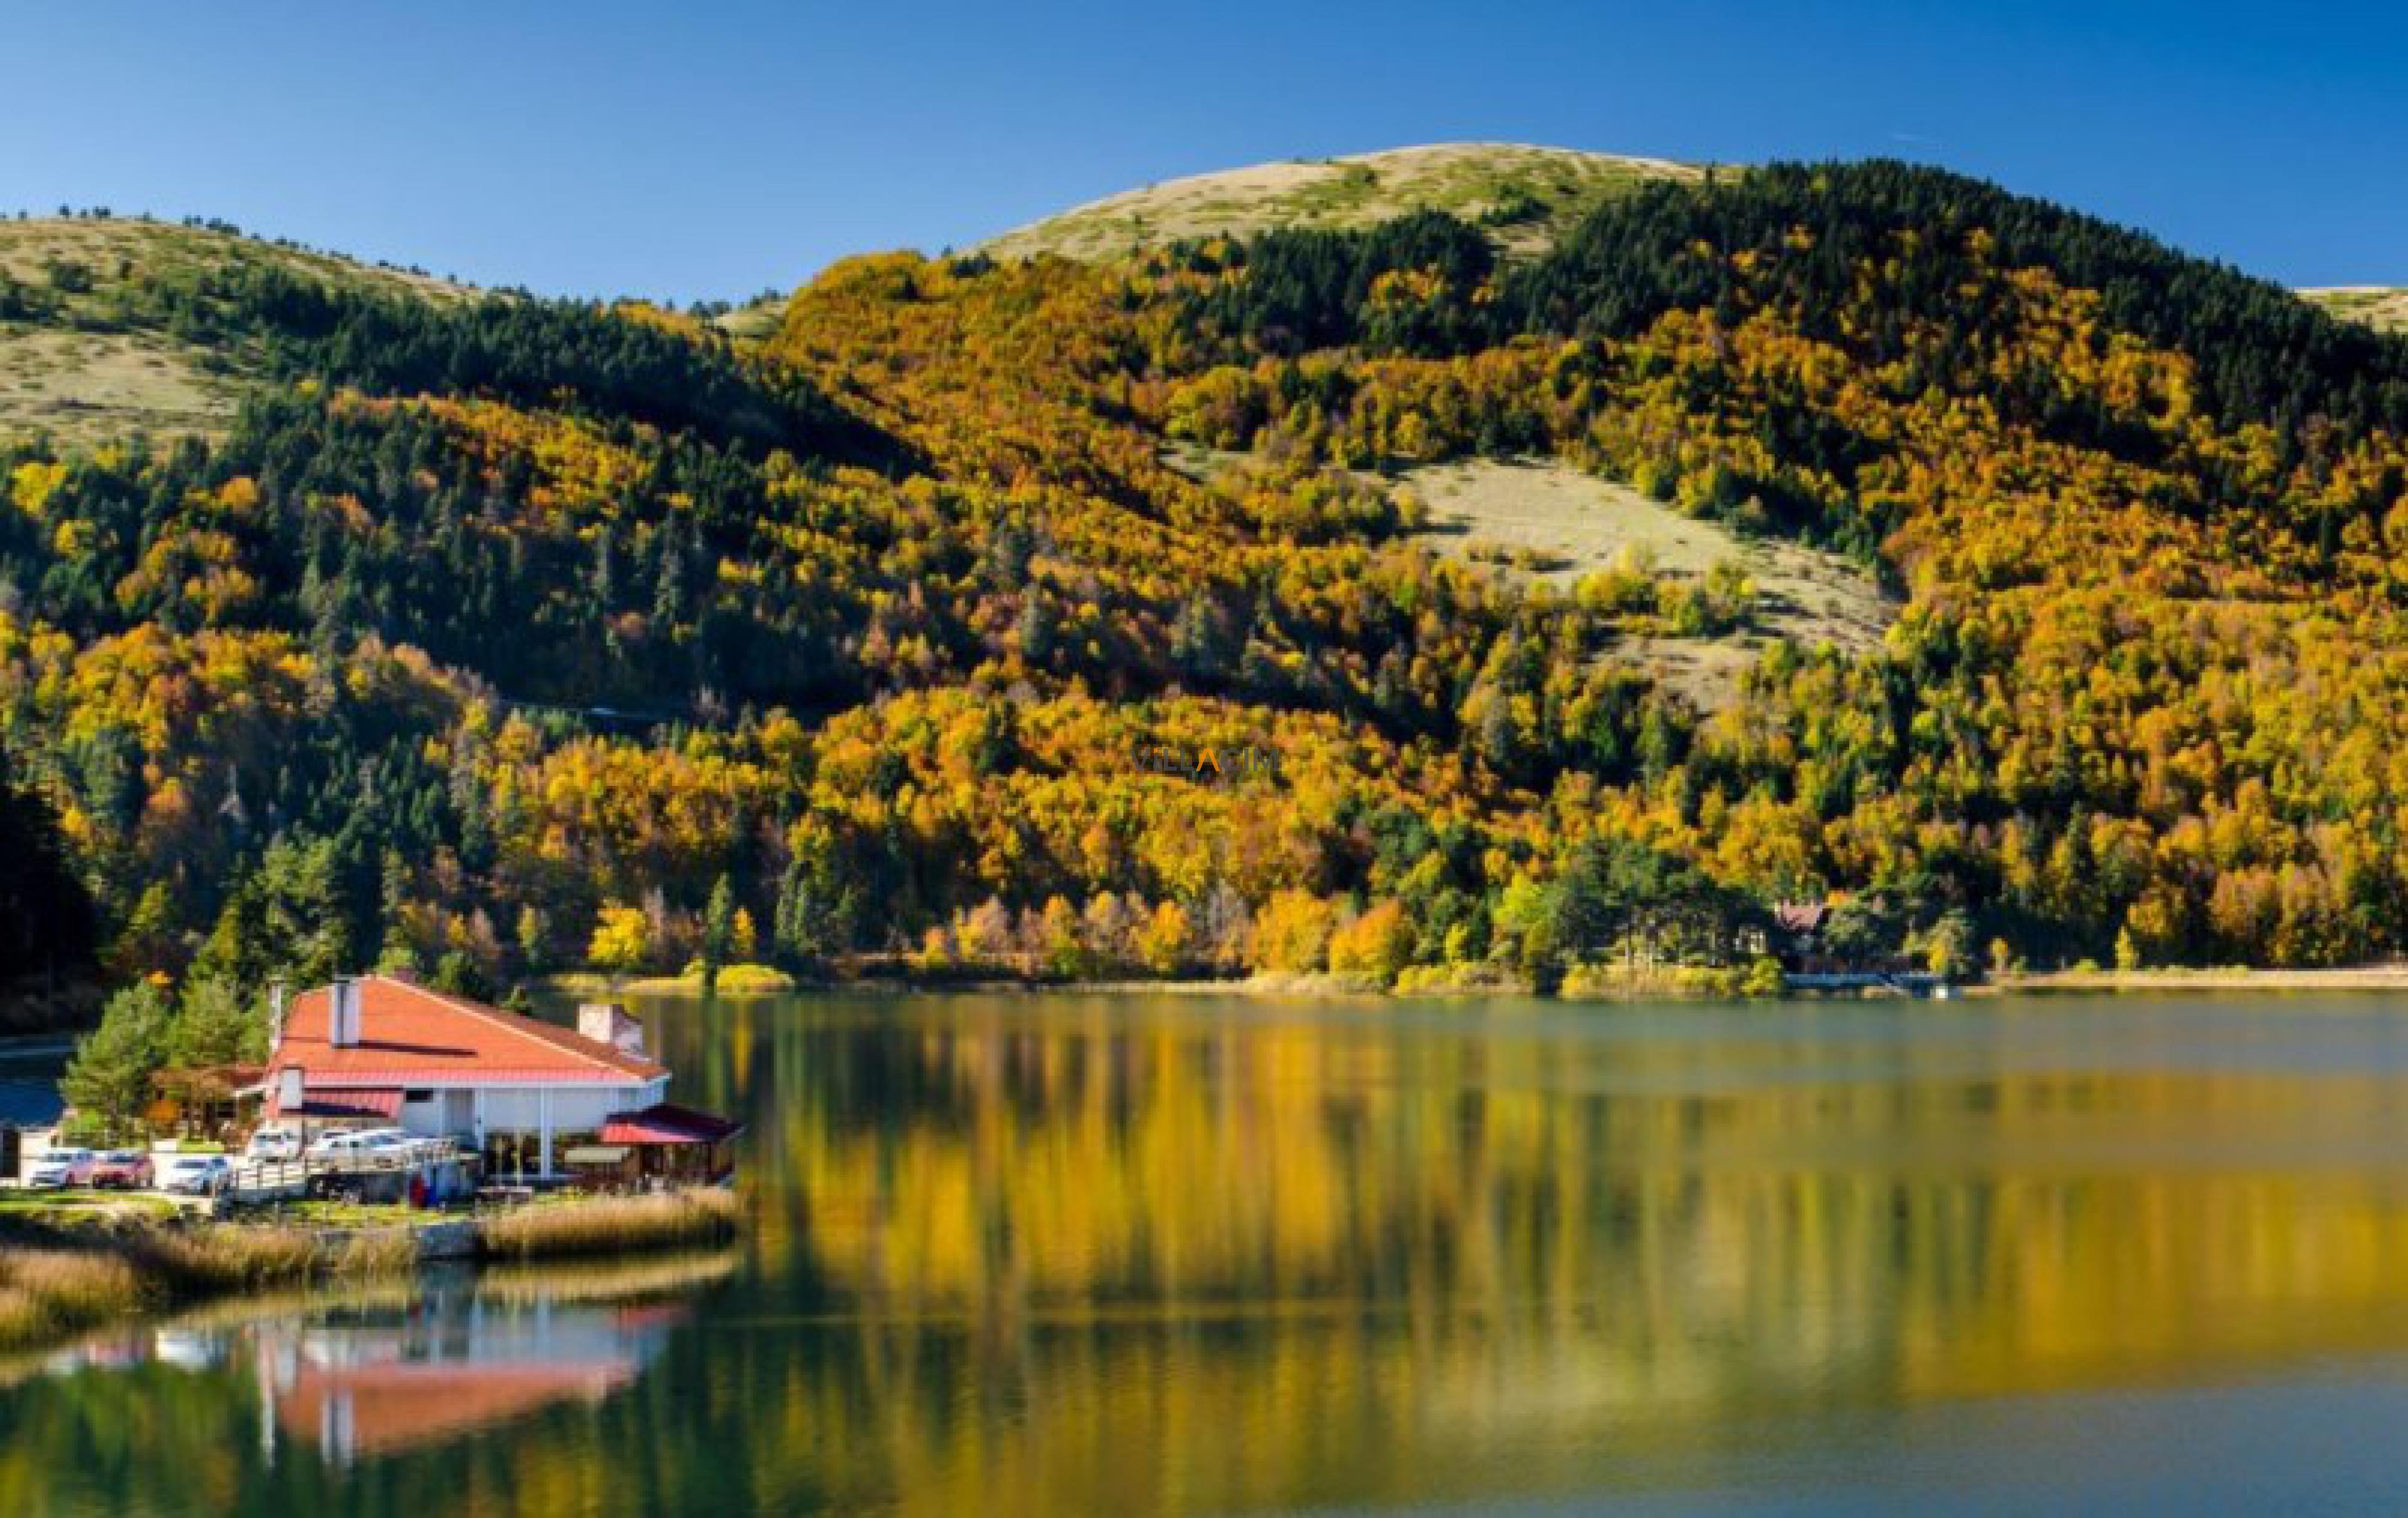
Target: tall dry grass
{"x": 59, "y": 1280}
{"x": 72, "y": 1279}
{"x": 378, "y": 1251}
{"x": 611, "y": 1224}
{"x": 45, "y": 1293}
{"x": 230, "y": 1257}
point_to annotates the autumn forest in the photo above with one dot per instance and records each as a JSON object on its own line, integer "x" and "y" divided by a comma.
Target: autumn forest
{"x": 494, "y": 636}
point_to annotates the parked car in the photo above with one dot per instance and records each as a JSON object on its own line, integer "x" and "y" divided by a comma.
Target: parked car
{"x": 195, "y": 1174}
{"x": 121, "y": 1170}
{"x": 362, "y": 1143}
{"x": 62, "y": 1167}
{"x": 340, "y": 1143}
{"x": 273, "y": 1143}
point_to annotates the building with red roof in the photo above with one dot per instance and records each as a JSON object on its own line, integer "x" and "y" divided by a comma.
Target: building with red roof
{"x": 379, "y": 1050}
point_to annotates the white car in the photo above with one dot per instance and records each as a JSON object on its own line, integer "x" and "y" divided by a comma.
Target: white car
{"x": 362, "y": 1144}
{"x": 195, "y": 1174}
{"x": 61, "y": 1167}
{"x": 273, "y": 1144}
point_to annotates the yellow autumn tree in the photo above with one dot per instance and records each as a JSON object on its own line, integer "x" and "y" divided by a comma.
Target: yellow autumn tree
{"x": 623, "y": 939}
{"x": 1379, "y": 944}
{"x": 1065, "y": 951}
{"x": 1164, "y": 942}
{"x": 1293, "y": 931}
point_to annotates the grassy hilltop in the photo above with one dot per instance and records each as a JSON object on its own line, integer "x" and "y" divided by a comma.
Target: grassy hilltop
{"x": 91, "y": 343}
{"x": 1525, "y": 196}
{"x": 2374, "y": 305}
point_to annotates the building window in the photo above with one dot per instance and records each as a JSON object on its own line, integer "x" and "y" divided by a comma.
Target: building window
{"x": 418, "y": 1096}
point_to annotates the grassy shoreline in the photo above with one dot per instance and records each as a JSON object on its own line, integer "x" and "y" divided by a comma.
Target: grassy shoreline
{"x": 2371, "y": 978}
{"x": 67, "y": 1269}
{"x": 1606, "y": 984}
{"x": 735, "y": 981}
{"x": 1707, "y": 985}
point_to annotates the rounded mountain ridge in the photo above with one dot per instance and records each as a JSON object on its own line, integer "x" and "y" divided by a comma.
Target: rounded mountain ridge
{"x": 1526, "y": 195}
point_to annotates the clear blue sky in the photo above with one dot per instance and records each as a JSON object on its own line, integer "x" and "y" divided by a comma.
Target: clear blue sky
{"x": 696, "y": 149}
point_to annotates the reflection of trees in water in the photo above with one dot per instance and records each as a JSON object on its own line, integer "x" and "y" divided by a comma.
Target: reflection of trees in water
{"x": 1292, "y": 1263}
{"x": 1040, "y": 1262}
{"x": 1079, "y": 1259}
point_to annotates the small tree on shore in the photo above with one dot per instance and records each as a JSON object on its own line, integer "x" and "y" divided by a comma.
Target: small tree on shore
{"x": 1293, "y": 932}
{"x": 109, "y": 1080}
{"x": 1165, "y": 942}
{"x": 718, "y": 931}
{"x": 1379, "y": 944}
{"x": 622, "y": 941}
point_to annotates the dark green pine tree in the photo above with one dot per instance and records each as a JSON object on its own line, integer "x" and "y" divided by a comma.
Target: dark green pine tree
{"x": 48, "y": 931}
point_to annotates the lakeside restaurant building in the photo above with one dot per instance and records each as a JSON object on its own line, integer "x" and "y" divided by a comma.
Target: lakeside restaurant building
{"x": 382, "y": 1052}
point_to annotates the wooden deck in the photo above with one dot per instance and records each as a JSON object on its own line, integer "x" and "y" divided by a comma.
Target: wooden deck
{"x": 269, "y": 1180}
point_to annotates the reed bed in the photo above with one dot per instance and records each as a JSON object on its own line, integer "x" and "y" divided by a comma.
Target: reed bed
{"x": 68, "y": 1280}
{"x": 224, "y": 1257}
{"x": 380, "y": 1252}
{"x": 46, "y": 1292}
{"x": 611, "y": 1224}
{"x": 60, "y": 1278}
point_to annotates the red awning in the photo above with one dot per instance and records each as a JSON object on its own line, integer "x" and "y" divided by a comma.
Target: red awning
{"x": 364, "y": 1101}
{"x": 667, "y": 1123}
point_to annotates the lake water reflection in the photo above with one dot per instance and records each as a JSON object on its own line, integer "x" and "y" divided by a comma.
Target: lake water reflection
{"x": 1037, "y": 1254}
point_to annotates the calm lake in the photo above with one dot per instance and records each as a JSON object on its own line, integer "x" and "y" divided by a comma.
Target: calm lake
{"x": 1184, "y": 1254}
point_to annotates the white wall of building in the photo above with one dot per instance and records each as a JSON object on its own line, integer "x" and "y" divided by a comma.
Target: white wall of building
{"x": 473, "y": 1112}
{"x": 565, "y": 1109}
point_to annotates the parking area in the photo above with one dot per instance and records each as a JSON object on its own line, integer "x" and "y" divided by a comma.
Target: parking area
{"x": 366, "y": 1165}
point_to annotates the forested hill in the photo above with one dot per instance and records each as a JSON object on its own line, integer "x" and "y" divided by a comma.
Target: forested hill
{"x": 500, "y": 635}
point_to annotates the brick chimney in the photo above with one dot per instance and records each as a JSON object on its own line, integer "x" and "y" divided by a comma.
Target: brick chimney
{"x": 608, "y": 1022}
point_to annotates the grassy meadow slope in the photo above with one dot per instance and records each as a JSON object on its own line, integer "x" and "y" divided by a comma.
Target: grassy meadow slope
{"x": 1525, "y": 197}
{"x": 2377, "y": 306}
{"x": 1547, "y": 520}
{"x": 90, "y": 346}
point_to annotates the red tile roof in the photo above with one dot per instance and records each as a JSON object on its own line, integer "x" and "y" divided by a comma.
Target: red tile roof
{"x": 665, "y": 1122}
{"x": 350, "y": 1102}
{"x": 410, "y": 1034}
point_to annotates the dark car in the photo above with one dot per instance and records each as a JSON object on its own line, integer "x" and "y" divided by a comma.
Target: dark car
{"x": 121, "y": 1170}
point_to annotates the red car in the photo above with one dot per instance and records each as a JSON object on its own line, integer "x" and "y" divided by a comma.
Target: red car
{"x": 121, "y": 1170}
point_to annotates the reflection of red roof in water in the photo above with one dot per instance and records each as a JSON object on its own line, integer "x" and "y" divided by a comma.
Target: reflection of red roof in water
{"x": 393, "y": 1407}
